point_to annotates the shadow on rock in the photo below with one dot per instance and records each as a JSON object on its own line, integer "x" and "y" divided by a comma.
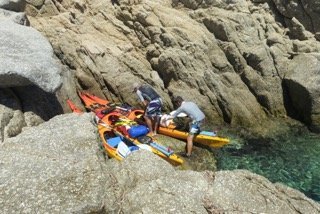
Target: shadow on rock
{"x": 33, "y": 99}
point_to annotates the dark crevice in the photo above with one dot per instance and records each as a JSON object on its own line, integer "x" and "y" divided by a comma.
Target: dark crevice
{"x": 108, "y": 91}
{"x": 166, "y": 75}
{"x": 261, "y": 99}
{"x": 41, "y": 103}
{"x": 239, "y": 69}
{"x": 16, "y": 6}
{"x": 9, "y": 99}
{"x": 274, "y": 65}
{"x": 224, "y": 111}
{"x": 63, "y": 59}
{"x": 307, "y": 14}
{"x": 299, "y": 110}
{"x": 277, "y": 15}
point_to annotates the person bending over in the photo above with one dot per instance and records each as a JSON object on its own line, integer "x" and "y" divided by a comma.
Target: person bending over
{"x": 195, "y": 114}
{"x": 152, "y": 102}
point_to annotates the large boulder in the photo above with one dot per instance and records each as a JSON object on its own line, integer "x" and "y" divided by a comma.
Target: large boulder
{"x": 49, "y": 168}
{"x": 303, "y": 89}
{"x": 17, "y": 17}
{"x": 145, "y": 183}
{"x": 242, "y": 191}
{"x": 26, "y": 58}
{"x": 59, "y": 167}
{"x": 13, "y": 5}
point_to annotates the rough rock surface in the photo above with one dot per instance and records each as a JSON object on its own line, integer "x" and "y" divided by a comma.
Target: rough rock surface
{"x": 58, "y": 167}
{"x": 49, "y": 168}
{"x": 145, "y": 183}
{"x": 230, "y": 57}
{"x": 307, "y": 12}
{"x": 26, "y": 58}
{"x": 240, "y": 191}
{"x": 303, "y": 89}
{"x": 13, "y": 5}
{"x": 25, "y": 107}
{"x": 17, "y": 17}
{"x": 241, "y": 61}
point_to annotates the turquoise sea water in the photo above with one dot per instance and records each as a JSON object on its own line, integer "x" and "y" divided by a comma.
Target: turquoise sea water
{"x": 292, "y": 159}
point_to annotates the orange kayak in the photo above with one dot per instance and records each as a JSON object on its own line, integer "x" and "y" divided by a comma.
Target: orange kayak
{"x": 116, "y": 140}
{"x": 115, "y": 145}
{"x": 204, "y": 139}
{"x": 110, "y": 142}
{"x": 120, "y": 123}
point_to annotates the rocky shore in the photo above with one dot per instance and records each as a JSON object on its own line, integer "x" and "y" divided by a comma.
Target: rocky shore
{"x": 246, "y": 63}
{"x": 59, "y": 167}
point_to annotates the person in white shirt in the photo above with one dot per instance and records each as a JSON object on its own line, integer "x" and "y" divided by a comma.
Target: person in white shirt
{"x": 195, "y": 114}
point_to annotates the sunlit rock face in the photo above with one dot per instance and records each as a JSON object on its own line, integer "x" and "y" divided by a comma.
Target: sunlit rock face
{"x": 55, "y": 167}
{"x": 228, "y": 57}
{"x": 26, "y": 58}
{"x": 59, "y": 167}
{"x": 29, "y": 76}
{"x": 241, "y": 61}
{"x": 303, "y": 89}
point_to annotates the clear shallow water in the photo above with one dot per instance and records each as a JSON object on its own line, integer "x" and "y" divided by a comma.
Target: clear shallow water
{"x": 293, "y": 159}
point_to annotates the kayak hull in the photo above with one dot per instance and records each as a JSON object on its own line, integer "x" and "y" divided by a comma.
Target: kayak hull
{"x": 211, "y": 141}
{"x": 215, "y": 142}
{"x": 109, "y": 118}
{"x": 73, "y": 107}
{"x": 96, "y": 105}
{"x": 111, "y": 151}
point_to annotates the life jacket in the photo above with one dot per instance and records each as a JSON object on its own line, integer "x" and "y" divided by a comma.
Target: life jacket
{"x": 148, "y": 93}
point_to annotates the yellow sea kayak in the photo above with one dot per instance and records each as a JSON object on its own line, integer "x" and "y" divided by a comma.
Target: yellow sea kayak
{"x": 212, "y": 141}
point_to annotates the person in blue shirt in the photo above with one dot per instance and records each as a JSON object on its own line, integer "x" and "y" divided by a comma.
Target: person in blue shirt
{"x": 195, "y": 114}
{"x": 153, "y": 104}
